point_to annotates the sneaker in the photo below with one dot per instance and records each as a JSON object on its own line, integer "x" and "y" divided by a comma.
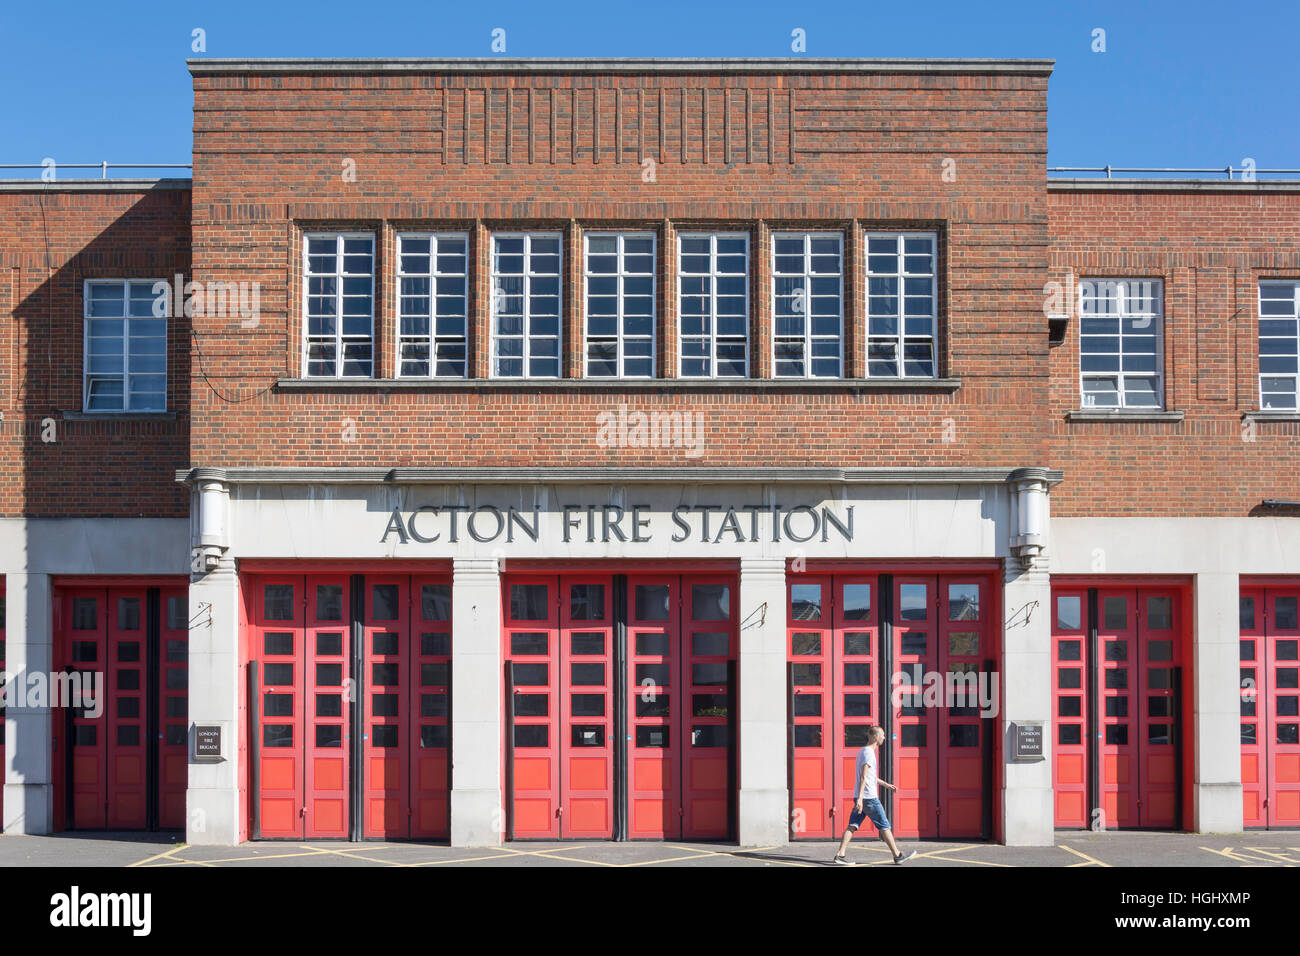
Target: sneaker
{"x": 904, "y": 857}
{"x": 844, "y": 861}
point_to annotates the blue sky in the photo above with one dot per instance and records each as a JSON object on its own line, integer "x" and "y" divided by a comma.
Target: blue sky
{"x": 1181, "y": 82}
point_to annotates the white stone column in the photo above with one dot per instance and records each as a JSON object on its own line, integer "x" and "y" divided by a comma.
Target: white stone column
{"x": 1213, "y": 742}
{"x": 1028, "y": 814}
{"x": 764, "y": 805}
{"x": 213, "y": 810}
{"x": 29, "y": 649}
{"x": 477, "y": 743}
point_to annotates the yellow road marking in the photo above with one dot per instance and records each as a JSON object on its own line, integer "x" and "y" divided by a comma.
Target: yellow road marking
{"x": 1089, "y": 860}
{"x": 159, "y": 856}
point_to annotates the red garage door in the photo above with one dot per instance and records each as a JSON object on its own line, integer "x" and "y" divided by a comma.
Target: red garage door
{"x": 620, "y": 690}
{"x": 2, "y": 709}
{"x": 352, "y": 681}
{"x": 121, "y": 759}
{"x": 1119, "y": 710}
{"x": 909, "y": 652}
{"x": 1270, "y": 706}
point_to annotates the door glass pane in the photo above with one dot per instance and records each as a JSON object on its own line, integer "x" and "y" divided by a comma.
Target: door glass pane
{"x": 587, "y": 644}
{"x": 434, "y": 735}
{"x": 1069, "y": 734}
{"x": 437, "y": 675}
{"x": 709, "y": 673}
{"x": 535, "y": 705}
{"x": 277, "y": 675}
{"x": 586, "y": 674}
{"x": 1069, "y": 707}
{"x": 963, "y": 602}
{"x": 914, "y": 643}
{"x": 383, "y": 643}
{"x": 912, "y": 602}
{"x": 857, "y": 675}
{"x": 383, "y": 674}
{"x": 532, "y": 735}
{"x": 528, "y": 602}
{"x": 384, "y": 705}
{"x": 1069, "y": 612}
{"x": 329, "y": 645}
{"x": 586, "y": 705}
{"x": 711, "y": 705}
{"x": 807, "y": 735}
{"x": 1247, "y": 650}
{"x": 1160, "y": 678}
{"x": 1246, "y": 613}
{"x": 1286, "y": 677}
{"x": 273, "y": 735}
{"x": 383, "y": 602}
{"x": 128, "y": 614}
{"x": 806, "y": 675}
{"x": 857, "y": 602}
{"x": 652, "y": 705}
{"x": 434, "y": 705}
{"x": 1069, "y": 650}
{"x": 329, "y": 675}
{"x": 278, "y": 602}
{"x": 652, "y": 645}
{"x": 652, "y": 675}
{"x": 529, "y": 644}
{"x": 128, "y": 651}
{"x": 857, "y": 705}
{"x": 1116, "y": 706}
{"x": 711, "y": 735}
{"x": 1284, "y": 612}
{"x": 84, "y": 652}
{"x": 277, "y": 643}
{"x": 1117, "y": 678}
{"x": 329, "y": 602}
{"x": 1116, "y": 650}
{"x": 654, "y": 737}
{"x": 711, "y": 643}
{"x": 587, "y": 735}
{"x": 1117, "y": 734}
{"x": 435, "y": 602}
{"x": 805, "y": 602}
{"x": 1286, "y": 650}
{"x": 1069, "y": 678}
{"x": 912, "y": 735}
{"x": 277, "y": 705}
{"x": 857, "y": 643}
{"x": 327, "y": 705}
{"x": 1160, "y": 650}
{"x": 651, "y": 602}
{"x": 1116, "y": 613}
{"x": 587, "y": 602}
{"x": 808, "y": 705}
{"x": 963, "y": 735}
{"x": 963, "y": 643}
{"x": 805, "y": 645}
{"x": 710, "y": 602}
{"x": 177, "y": 613}
{"x": 1160, "y": 613}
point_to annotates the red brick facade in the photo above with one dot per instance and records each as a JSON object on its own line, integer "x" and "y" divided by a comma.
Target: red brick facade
{"x": 58, "y": 463}
{"x": 958, "y": 153}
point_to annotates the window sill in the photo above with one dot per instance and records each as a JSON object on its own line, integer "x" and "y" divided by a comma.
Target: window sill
{"x": 1271, "y": 415}
{"x": 1122, "y": 415}
{"x": 118, "y": 416}
{"x": 618, "y": 385}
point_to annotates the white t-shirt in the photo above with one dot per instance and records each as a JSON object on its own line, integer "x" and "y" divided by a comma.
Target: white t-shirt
{"x": 866, "y": 775}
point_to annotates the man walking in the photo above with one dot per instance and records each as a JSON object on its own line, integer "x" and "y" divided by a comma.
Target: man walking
{"x": 866, "y": 801}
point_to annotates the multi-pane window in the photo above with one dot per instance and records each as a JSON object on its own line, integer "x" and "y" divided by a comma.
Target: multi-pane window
{"x": 432, "y": 304}
{"x": 339, "y": 286}
{"x": 1119, "y": 343}
{"x": 807, "y": 303}
{"x": 619, "y": 305}
{"x": 713, "y": 304}
{"x": 1279, "y": 344}
{"x": 526, "y": 305}
{"x": 901, "y": 303}
{"x": 125, "y": 346}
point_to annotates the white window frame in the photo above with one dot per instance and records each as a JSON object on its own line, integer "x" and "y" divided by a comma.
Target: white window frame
{"x": 433, "y": 339}
{"x": 713, "y": 275}
{"x": 339, "y": 275}
{"x": 902, "y": 275}
{"x": 86, "y": 375}
{"x": 1293, "y": 339}
{"x": 807, "y": 276}
{"x": 619, "y": 277}
{"x": 528, "y": 276}
{"x": 1122, "y": 313}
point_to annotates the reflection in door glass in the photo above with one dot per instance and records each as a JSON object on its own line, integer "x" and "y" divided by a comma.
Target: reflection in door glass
{"x": 277, "y": 600}
{"x": 963, "y": 602}
{"x": 329, "y": 602}
{"x": 857, "y": 644}
{"x": 652, "y": 705}
{"x": 652, "y": 645}
{"x": 805, "y": 645}
{"x": 711, "y": 735}
{"x": 963, "y": 643}
{"x": 435, "y": 602}
{"x": 1068, "y": 612}
{"x": 914, "y": 643}
{"x": 807, "y": 735}
{"x": 805, "y": 602}
{"x": 1116, "y": 613}
{"x": 1160, "y": 613}
{"x": 808, "y": 705}
{"x": 651, "y": 602}
{"x": 528, "y": 602}
{"x": 528, "y": 644}
{"x": 587, "y": 644}
{"x": 857, "y": 602}
{"x": 383, "y": 602}
{"x": 912, "y": 602}
{"x": 1284, "y": 612}
{"x": 710, "y": 602}
{"x": 709, "y": 705}
{"x": 587, "y": 602}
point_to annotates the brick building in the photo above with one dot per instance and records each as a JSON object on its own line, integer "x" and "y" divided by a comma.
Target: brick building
{"x": 593, "y": 449}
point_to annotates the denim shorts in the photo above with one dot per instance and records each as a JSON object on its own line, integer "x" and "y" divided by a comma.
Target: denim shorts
{"x": 873, "y": 810}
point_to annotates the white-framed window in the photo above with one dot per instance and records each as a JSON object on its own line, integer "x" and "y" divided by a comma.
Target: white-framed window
{"x": 1121, "y": 362}
{"x": 432, "y": 304}
{"x": 1279, "y": 343}
{"x": 338, "y": 305}
{"x": 808, "y": 304}
{"x": 125, "y": 345}
{"x": 902, "y": 298}
{"x": 619, "y": 304}
{"x": 526, "y": 304}
{"x": 713, "y": 304}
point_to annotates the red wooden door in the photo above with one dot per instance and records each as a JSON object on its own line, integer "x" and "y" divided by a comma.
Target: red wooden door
{"x": 856, "y": 699}
{"x": 1070, "y": 695}
{"x": 86, "y": 641}
{"x": 813, "y": 698}
{"x": 1118, "y": 711}
{"x": 915, "y": 749}
{"x": 125, "y": 709}
{"x": 1159, "y": 657}
{"x": 430, "y": 734}
{"x": 965, "y": 641}
{"x": 532, "y": 648}
{"x": 654, "y": 707}
{"x": 586, "y": 706}
{"x": 1253, "y": 644}
{"x": 173, "y": 706}
{"x": 3, "y": 612}
{"x": 278, "y": 614}
{"x": 385, "y": 706}
{"x": 708, "y": 638}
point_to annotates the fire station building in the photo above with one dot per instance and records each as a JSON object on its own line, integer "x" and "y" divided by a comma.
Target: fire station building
{"x": 592, "y": 449}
